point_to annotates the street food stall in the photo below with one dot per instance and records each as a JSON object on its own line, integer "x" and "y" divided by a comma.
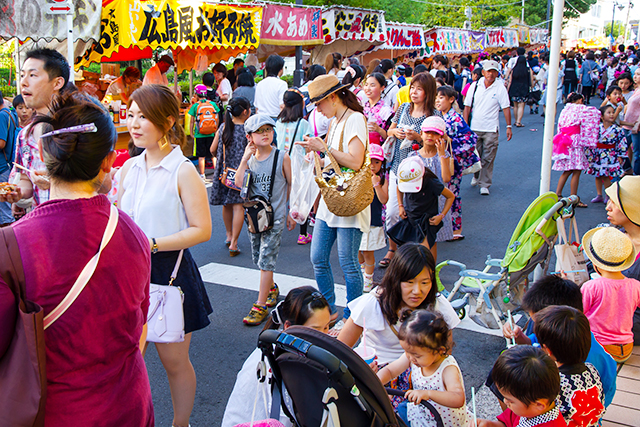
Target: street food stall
{"x": 402, "y": 39}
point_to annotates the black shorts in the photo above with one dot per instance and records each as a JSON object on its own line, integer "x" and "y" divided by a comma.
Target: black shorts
{"x": 203, "y": 147}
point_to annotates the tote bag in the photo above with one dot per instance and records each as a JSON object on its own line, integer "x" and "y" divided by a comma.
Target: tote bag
{"x": 569, "y": 255}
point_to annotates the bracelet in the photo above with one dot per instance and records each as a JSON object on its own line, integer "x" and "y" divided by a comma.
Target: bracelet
{"x": 446, "y": 155}
{"x": 376, "y": 185}
{"x": 154, "y": 248}
{"x": 401, "y": 206}
{"x": 508, "y": 126}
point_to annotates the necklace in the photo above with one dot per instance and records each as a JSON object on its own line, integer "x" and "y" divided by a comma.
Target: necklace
{"x": 333, "y": 131}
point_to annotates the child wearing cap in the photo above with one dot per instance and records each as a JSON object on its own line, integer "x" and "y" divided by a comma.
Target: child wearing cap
{"x": 375, "y": 239}
{"x": 435, "y": 157}
{"x": 610, "y": 300}
{"x": 265, "y": 161}
{"x": 418, "y": 192}
{"x": 204, "y": 124}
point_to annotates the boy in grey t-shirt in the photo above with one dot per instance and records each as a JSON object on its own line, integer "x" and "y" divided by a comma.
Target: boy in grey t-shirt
{"x": 259, "y": 158}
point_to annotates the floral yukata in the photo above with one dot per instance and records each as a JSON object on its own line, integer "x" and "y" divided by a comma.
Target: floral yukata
{"x": 379, "y": 113}
{"x": 28, "y": 156}
{"x": 605, "y": 158}
{"x": 578, "y": 128}
{"x": 463, "y": 144}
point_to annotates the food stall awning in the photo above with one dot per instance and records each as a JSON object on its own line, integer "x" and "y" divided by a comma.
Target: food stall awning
{"x": 131, "y": 28}
{"x": 593, "y": 42}
{"x": 501, "y": 38}
{"x": 443, "y": 40}
{"x": 401, "y": 40}
{"x": 32, "y": 19}
{"x": 285, "y": 27}
{"x": 350, "y": 31}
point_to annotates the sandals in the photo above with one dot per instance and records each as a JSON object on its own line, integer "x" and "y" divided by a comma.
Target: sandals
{"x": 384, "y": 262}
{"x": 581, "y": 205}
{"x": 456, "y": 238}
{"x": 519, "y": 125}
{"x": 234, "y": 252}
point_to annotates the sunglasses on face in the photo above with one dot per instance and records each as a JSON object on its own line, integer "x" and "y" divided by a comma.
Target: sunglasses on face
{"x": 260, "y": 131}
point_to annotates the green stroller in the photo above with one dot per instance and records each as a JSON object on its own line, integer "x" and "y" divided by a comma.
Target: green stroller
{"x": 488, "y": 295}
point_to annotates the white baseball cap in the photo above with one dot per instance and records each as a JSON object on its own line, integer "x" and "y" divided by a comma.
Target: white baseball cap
{"x": 410, "y": 174}
{"x": 490, "y": 65}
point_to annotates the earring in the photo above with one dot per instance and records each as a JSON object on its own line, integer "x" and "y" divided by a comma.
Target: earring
{"x": 162, "y": 143}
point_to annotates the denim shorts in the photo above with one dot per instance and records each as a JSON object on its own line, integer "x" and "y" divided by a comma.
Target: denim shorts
{"x": 266, "y": 246}
{"x": 6, "y": 217}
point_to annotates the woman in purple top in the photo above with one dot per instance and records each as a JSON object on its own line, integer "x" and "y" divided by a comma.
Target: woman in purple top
{"x": 95, "y": 373}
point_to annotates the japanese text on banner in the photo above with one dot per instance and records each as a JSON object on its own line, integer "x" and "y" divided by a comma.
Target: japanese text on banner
{"x": 283, "y": 25}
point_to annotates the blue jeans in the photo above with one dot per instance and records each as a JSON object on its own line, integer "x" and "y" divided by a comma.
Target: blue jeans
{"x": 348, "y": 245}
{"x": 401, "y": 410}
{"x": 635, "y": 140}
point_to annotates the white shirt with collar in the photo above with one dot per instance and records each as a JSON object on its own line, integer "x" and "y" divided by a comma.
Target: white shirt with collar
{"x": 151, "y": 198}
{"x": 487, "y": 103}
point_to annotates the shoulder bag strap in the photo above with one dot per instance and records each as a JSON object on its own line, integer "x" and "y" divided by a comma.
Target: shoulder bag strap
{"x": 473, "y": 97}
{"x": 273, "y": 172}
{"x": 86, "y": 273}
{"x": 224, "y": 155}
{"x": 174, "y": 273}
{"x": 11, "y": 269}
{"x": 293, "y": 140}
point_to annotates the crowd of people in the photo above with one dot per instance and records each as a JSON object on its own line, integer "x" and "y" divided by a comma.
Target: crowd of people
{"x": 397, "y": 137}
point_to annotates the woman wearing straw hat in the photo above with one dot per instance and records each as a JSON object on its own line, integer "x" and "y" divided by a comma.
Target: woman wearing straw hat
{"x": 334, "y": 99}
{"x": 610, "y": 300}
{"x": 623, "y": 210}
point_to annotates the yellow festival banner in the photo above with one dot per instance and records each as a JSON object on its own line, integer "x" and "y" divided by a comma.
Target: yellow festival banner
{"x": 174, "y": 24}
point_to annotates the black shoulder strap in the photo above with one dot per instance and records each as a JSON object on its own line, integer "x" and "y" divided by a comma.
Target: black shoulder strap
{"x": 293, "y": 140}
{"x": 273, "y": 172}
{"x": 473, "y": 97}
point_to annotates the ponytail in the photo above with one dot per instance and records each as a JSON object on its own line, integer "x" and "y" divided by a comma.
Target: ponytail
{"x": 235, "y": 108}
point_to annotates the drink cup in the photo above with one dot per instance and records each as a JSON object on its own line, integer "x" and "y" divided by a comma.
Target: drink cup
{"x": 369, "y": 356}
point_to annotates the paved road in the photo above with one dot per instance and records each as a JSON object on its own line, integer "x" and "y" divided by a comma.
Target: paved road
{"x": 219, "y": 351}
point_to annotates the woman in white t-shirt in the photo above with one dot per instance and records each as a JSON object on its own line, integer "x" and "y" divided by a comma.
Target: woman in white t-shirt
{"x": 409, "y": 283}
{"x": 334, "y": 99}
{"x": 224, "y": 90}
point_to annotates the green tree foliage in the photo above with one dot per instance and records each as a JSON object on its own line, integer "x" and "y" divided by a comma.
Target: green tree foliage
{"x": 618, "y": 29}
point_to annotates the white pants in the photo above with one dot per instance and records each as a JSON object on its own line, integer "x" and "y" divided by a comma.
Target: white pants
{"x": 393, "y": 215}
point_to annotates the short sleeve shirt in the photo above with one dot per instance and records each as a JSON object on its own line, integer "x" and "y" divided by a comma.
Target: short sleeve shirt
{"x": 8, "y": 132}
{"x": 193, "y": 112}
{"x": 225, "y": 88}
{"x": 287, "y": 133}
{"x": 487, "y": 103}
{"x": 28, "y": 155}
{"x": 269, "y": 95}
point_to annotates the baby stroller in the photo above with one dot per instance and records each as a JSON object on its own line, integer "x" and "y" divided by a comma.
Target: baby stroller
{"x": 490, "y": 295}
{"x": 329, "y": 385}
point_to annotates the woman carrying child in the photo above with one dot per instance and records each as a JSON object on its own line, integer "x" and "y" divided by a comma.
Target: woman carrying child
{"x": 435, "y": 374}
{"x": 229, "y": 154}
{"x": 463, "y": 144}
{"x": 408, "y": 283}
{"x": 291, "y": 127}
{"x": 578, "y": 127}
{"x": 270, "y": 180}
{"x": 303, "y": 306}
{"x": 606, "y": 158}
{"x": 375, "y": 239}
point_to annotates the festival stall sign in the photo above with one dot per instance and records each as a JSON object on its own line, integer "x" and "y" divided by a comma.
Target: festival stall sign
{"x": 187, "y": 28}
{"x": 593, "y": 42}
{"x": 285, "y": 27}
{"x": 350, "y": 31}
{"x": 402, "y": 40}
{"x": 538, "y": 36}
{"x": 501, "y": 38}
{"x": 443, "y": 40}
{"x": 47, "y": 19}
{"x": 523, "y": 34}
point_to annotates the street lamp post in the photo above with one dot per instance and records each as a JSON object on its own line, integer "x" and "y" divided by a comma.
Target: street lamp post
{"x": 620, "y": 6}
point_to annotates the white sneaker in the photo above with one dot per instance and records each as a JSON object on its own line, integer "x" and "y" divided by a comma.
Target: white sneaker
{"x": 484, "y": 191}
{"x": 335, "y": 331}
{"x": 368, "y": 282}
{"x": 474, "y": 181}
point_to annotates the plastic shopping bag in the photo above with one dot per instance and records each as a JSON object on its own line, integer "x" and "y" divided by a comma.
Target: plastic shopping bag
{"x": 304, "y": 189}
{"x": 569, "y": 256}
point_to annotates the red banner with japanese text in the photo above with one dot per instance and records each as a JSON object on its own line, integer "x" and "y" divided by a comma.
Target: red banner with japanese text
{"x": 291, "y": 26}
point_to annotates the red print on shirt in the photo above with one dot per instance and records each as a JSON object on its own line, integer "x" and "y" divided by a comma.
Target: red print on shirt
{"x": 589, "y": 408}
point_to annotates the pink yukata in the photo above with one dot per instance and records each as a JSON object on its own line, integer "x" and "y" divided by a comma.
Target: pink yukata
{"x": 578, "y": 128}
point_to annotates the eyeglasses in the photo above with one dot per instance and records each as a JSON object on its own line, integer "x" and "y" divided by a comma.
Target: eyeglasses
{"x": 263, "y": 130}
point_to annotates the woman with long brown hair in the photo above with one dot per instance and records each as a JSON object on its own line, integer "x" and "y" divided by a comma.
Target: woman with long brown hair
{"x": 164, "y": 195}
{"x": 406, "y": 125}
{"x": 334, "y": 99}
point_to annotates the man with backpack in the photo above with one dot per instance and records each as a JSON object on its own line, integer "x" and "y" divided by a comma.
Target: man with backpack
{"x": 8, "y": 134}
{"x": 205, "y": 120}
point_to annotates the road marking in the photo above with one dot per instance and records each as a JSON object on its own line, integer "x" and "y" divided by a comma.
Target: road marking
{"x": 249, "y": 279}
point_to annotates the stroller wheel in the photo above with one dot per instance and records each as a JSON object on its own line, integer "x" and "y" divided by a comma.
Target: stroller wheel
{"x": 461, "y": 313}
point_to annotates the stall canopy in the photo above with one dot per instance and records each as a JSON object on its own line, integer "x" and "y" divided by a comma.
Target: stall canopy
{"x": 454, "y": 41}
{"x": 596, "y": 42}
{"x": 31, "y": 19}
{"x": 285, "y": 27}
{"x": 131, "y": 29}
{"x": 402, "y": 39}
{"x": 350, "y": 32}
{"x": 501, "y": 39}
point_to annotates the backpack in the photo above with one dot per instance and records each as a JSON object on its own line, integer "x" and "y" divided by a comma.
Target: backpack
{"x": 457, "y": 81}
{"x": 207, "y": 119}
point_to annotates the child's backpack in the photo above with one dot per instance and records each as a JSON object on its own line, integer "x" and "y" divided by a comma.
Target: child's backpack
{"x": 207, "y": 119}
{"x": 457, "y": 82}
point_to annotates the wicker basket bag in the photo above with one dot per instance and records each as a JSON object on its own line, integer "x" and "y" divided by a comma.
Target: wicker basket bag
{"x": 346, "y": 193}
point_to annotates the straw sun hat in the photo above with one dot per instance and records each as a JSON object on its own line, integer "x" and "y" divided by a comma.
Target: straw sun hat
{"x": 626, "y": 195}
{"x": 609, "y": 248}
{"x": 323, "y": 86}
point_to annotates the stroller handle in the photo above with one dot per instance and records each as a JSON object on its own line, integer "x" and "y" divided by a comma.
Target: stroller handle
{"x": 562, "y": 203}
{"x": 426, "y": 404}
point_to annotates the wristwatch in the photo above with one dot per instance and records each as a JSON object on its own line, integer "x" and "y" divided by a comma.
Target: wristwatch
{"x": 154, "y": 248}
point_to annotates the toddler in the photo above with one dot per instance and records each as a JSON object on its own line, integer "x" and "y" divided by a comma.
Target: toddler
{"x": 610, "y": 300}
{"x": 530, "y": 383}
{"x": 270, "y": 180}
{"x": 435, "y": 374}
{"x": 615, "y": 99}
{"x": 375, "y": 239}
{"x": 204, "y": 124}
{"x": 564, "y": 334}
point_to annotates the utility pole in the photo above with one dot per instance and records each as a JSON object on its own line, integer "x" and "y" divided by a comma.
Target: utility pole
{"x": 522, "y": 17}
{"x": 548, "y": 13}
{"x": 298, "y": 73}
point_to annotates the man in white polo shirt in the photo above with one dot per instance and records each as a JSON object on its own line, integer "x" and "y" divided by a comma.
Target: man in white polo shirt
{"x": 485, "y": 98}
